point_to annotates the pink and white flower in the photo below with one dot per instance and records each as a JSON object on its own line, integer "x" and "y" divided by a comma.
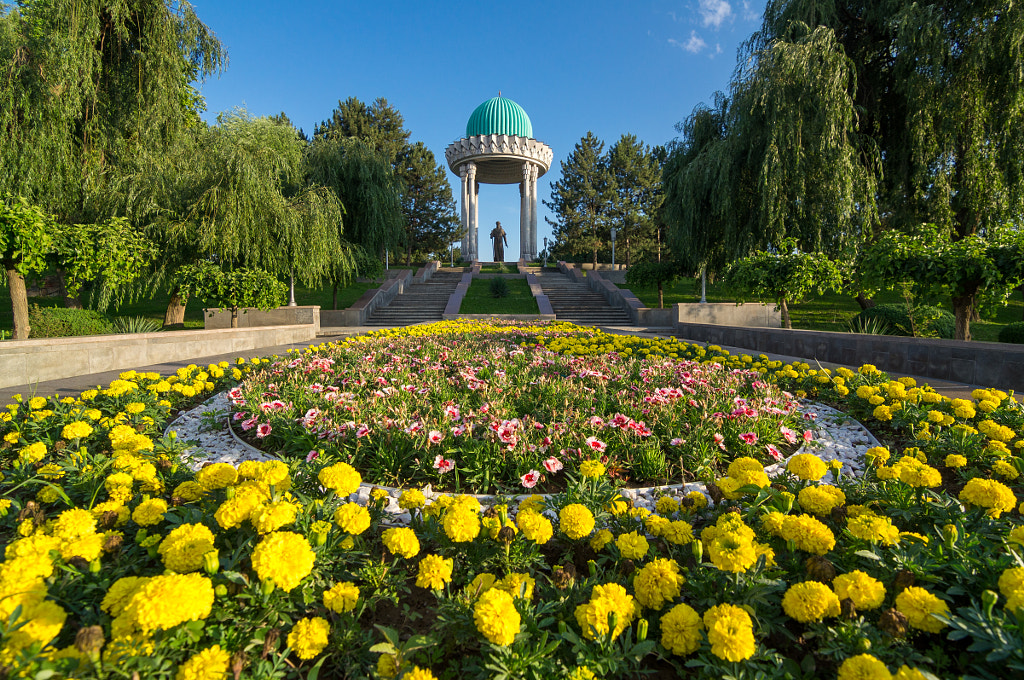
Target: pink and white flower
{"x": 530, "y": 479}
{"x": 249, "y": 424}
{"x": 263, "y": 430}
{"x": 774, "y": 452}
{"x": 596, "y": 444}
{"x": 363, "y": 430}
{"x": 443, "y": 465}
{"x": 676, "y": 441}
{"x": 808, "y": 436}
{"x": 552, "y": 465}
{"x": 719, "y": 440}
{"x": 435, "y": 437}
{"x": 749, "y": 438}
{"x": 312, "y": 455}
{"x": 789, "y": 434}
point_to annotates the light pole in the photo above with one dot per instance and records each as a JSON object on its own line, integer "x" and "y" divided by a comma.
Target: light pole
{"x": 613, "y": 248}
{"x": 545, "y": 252}
{"x": 703, "y": 285}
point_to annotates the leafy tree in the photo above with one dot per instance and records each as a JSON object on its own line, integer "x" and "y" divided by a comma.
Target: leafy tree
{"x": 233, "y": 289}
{"x": 660, "y": 274}
{"x": 784, "y": 275}
{"x": 932, "y": 262}
{"x": 636, "y": 174}
{"x": 89, "y": 89}
{"x": 580, "y": 200}
{"x": 427, "y": 203}
{"x": 379, "y": 125}
{"x": 25, "y": 239}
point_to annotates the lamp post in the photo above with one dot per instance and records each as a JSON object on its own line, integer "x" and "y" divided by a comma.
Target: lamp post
{"x": 703, "y": 285}
{"x": 613, "y": 248}
{"x": 545, "y": 252}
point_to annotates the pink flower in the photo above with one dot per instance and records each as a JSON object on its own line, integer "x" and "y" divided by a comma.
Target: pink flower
{"x": 363, "y": 431}
{"x": 435, "y": 437}
{"x": 808, "y": 435}
{"x": 249, "y": 424}
{"x": 719, "y": 439}
{"x": 552, "y": 464}
{"x": 676, "y": 441}
{"x": 452, "y": 411}
{"x": 263, "y": 430}
{"x": 596, "y": 421}
{"x": 749, "y": 438}
{"x": 774, "y": 452}
{"x": 530, "y": 479}
{"x": 240, "y": 415}
{"x": 312, "y": 455}
{"x": 789, "y": 434}
{"x": 596, "y": 444}
{"x": 443, "y": 465}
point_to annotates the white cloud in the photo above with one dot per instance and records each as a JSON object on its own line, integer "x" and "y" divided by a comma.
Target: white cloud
{"x": 695, "y": 44}
{"x": 714, "y": 12}
{"x": 750, "y": 14}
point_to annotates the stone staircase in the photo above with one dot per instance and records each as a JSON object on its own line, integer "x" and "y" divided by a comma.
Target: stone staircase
{"x": 576, "y": 302}
{"x": 420, "y": 302}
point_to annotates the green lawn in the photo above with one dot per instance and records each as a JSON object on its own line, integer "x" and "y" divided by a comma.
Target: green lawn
{"x": 155, "y": 307}
{"x": 829, "y": 312}
{"x": 479, "y": 300}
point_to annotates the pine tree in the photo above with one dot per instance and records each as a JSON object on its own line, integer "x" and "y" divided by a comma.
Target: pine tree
{"x": 580, "y": 200}
{"x": 637, "y": 198}
{"x": 431, "y": 223}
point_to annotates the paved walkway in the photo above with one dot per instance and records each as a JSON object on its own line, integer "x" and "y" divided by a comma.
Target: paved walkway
{"x": 74, "y": 386}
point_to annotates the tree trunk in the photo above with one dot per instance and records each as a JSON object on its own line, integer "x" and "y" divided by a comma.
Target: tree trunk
{"x": 627, "y": 253}
{"x": 963, "y": 305}
{"x": 661, "y": 296}
{"x": 786, "y": 322}
{"x": 595, "y": 258}
{"x": 408, "y": 254}
{"x": 334, "y": 296}
{"x": 865, "y": 302}
{"x": 19, "y": 301}
{"x": 70, "y": 301}
{"x": 234, "y": 317}
{"x": 174, "y": 317}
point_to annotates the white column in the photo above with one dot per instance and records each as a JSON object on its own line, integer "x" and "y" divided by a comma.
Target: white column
{"x": 473, "y": 212}
{"x": 524, "y": 215}
{"x": 465, "y": 213}
{"x": 533, "y": 211}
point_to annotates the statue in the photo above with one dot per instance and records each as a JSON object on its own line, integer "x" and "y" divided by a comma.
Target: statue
{"x": 498, "y": 236}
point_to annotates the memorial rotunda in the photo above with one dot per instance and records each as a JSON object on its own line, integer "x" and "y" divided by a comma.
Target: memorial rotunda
{"x": 499, "y": 148}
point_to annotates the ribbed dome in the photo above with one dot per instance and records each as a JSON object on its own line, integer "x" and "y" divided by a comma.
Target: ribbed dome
{"x": 499, "y": 116}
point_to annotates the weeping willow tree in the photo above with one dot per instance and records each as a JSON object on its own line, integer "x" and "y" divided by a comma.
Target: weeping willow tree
{"x": 365, "y": 183}
{"x": 849, "y": 118}
{"x": 251, "y": 205}
{"x": 86, "y": 88}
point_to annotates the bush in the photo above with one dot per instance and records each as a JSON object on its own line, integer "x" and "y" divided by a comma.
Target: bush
{"x": 932, "y": 322}
{"x": 499, "y": 287}
{"x": 1013, "y": 332}
{"x": 62, "y": 322}
{"x": 135, "y": 324}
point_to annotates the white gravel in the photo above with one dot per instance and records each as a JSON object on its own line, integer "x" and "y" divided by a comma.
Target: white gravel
{"x": 837, "y": 436}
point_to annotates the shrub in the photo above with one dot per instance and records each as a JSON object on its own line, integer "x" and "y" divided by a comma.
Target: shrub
{"x": 1013, "y": 332}
{"x": 499, "y": 287}
{"x": 135, "y": 324}
{"x": 931, "y": 321}
{"x": 62, "y": 322}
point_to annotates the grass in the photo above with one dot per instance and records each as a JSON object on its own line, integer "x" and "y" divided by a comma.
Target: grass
{"x": 498, "y": 269}
{"x": 155, "y": 307}
{"x": 829, "y": 312}
{"x": 478, "y": 299}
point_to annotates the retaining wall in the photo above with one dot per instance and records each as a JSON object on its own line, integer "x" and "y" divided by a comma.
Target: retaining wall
{"x": 24, "y": 362}
{"x": 216, "y": 317}
{"x": 749, "y": 314}
{"x": 988, "y": 364}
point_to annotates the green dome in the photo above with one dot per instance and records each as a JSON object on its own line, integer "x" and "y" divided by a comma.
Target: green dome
{"x": 499, "y": 116}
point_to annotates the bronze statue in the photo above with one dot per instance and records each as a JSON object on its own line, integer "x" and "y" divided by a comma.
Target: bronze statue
{"x": 498, "y": 236}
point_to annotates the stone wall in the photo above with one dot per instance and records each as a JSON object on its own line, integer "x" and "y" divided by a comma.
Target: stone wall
{"x": 214, "y": 318}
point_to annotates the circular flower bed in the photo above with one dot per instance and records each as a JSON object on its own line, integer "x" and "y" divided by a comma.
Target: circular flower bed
{"x": 120, "y": 560}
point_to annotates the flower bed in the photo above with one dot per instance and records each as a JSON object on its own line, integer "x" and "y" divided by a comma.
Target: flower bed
{"x": 119, "y": 560}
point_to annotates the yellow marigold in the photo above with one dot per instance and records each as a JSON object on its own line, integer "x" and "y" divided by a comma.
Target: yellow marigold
{"x": 592, "y": 469}
{"x": 412, "y": 499}
{"x": 918, "y": 605}
{"x": 810, "y": 601}
{"x": 273, "y": 516}
{"x": 517, "y": 585}
{"x": 681, "y": 630}
{"x": 907, "y": 673}
{"x": 150, "y": 512}
{"x": 576, "y": 521}
{"x": 864, "y": 591}
{"x": 308, "y": 637}
{"x": 581, "y": 673}
{"x": 189, "y": 491}
{"x": 808, "y": 534}
{"x": 217, "y": 476}
{"x": 917, "y": 474}
{"x": 36, "y": 403}
{"x": 33, "y": 453}
{"x": 874, "y": 528}
{"x": 76, "y": 430}
{"x": 657, "y": 583}
{"x": 40, "y": 622}
{"x": 748, "y": 471}
{"x": 1002, "y": 468}
{"x": 1011, "y": 585}
{"x": 209, "y": 664}
{"x": 284, "y": 557}
{"x": 461, "y": 525}
{"x": 730, "y": 632}
{"x": 606, "y": 599}
{"x": 955, "y": 460}
{"x": 183, "y": 548}
{"x": 632, "y": 546}
{"x": 120, "y": 594}
{"x": 236, "y": 510}
{"x": 667, "y": 505}
{"x": 535, "y": 527}
{"x": 401, "y": 541}
{"x": 534, "y": 503}
{"x": 342, "y": 597}
{"x": 771, "y": 522}
{"x": 341, "y": 478}
{"x": 601, "y": 539}
{"x": 988, "y": 493}
{"x": 496, "y": 617}
{"x": 163, "y": 602}
{"x": 863, "y": 667}
{"x": 695, "y": 500}
{"x": 434, "y": 572}
{"x": 418, "y": 673}
{"x": 732, "y": 551}
{"x": 882, "y": 412}
{"x": 821, "y": 499}
{"x": 807, "y": 466}
{"x": 352, "y": 518}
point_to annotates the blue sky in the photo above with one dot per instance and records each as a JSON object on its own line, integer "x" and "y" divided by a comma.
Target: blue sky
{"x": 613, "y": 68}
